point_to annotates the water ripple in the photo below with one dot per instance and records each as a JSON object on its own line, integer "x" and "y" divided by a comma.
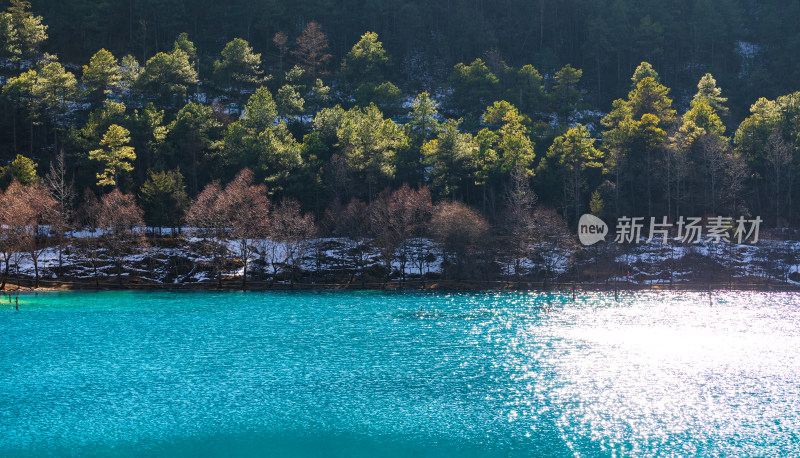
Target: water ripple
{"x": 366, "y": 373}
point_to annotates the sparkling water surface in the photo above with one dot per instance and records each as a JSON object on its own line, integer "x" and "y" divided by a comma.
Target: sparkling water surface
{"x": 356, "y": 374}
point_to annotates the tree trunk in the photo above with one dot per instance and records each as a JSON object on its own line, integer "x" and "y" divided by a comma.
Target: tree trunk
{"x": 5, "y": 274}
{"x": 649, "y": 188}
{"x": 35, "y": 260}
{"x": 244, "y": 270}
{"x": 777, "y": 197}
{"x": 60, "y": 253}
{"x": 14, "y": 123}
{"x": 219, "y": 274}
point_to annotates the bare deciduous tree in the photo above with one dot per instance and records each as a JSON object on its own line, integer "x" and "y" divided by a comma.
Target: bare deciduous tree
{"x": 293, "y": 229}
{"x": 13, "y": 213}
{"x": 519, "y": 223}
{"x": 209, "y": 215}
{"x": 336, "y": 177}
{"x": 779, "y": 156}
{"x": 62, "y": 191}
{"x": 279, "y": 40}
{"x": 396, "y": 218}
{"x": 412, "y": 211}
{"x": 30, "y": 210}
{"x": 122, "y": 222}
{"x": 459, "y": 229}
{"x": 382, "y": 227}
{"x": 714, "y": 150}
{"x": 312, "y": 47}
{"x": 350, "y": 223}
{"x": 249, "y": 220}
{"x": 553, "y": 241}
{"x": 88, "y": 245}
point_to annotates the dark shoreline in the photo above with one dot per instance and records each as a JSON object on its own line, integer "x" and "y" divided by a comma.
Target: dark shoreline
{"x": 409, "y": 286}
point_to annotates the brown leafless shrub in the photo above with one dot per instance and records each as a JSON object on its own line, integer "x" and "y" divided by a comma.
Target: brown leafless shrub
{"x": 350, "y": 222}
{"x": 293, "y": 229}
{"x": 460, "y": 231}
{"x": 249, "y": 215}
{"x": 396, "y": 218}
{"x": 122, "y": 223}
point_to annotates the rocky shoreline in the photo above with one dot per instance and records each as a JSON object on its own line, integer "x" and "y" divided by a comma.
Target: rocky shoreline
{"x": 176, "y": 263}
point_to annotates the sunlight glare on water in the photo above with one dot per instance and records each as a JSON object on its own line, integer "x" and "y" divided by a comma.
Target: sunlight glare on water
{"x": 678, "y": 375}
{"x": 398, "y": 374}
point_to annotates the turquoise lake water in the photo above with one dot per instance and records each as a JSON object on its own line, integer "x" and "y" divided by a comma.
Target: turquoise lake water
{"x": 352, "y": 374}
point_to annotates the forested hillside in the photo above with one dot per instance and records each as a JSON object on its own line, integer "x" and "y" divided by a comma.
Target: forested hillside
{"x": 750, "y": 47}
{"x": 504, "y": 110}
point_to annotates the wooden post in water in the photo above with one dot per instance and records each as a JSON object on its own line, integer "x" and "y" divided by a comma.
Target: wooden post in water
{"x": 573, "y": 291}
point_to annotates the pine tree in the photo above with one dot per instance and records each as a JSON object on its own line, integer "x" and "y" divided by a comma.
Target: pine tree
{"x": 8, "y": 37}
{"x": 289, "y": 102}
{"x": 514, "y": 146}
{"x": 370, "y": 144}
{"x": 366, "y": 61}
{"x": 168, "y": 75}
{"x": 636, "y": 127}
{"x": 644, "y": 70}
{"x": 184, "y": 44}
{"x": 130, "y": 71}
{"x": 191, "y": 136}
{"x": 708, "y": 92}
{"x": 574, "y": 152}
{"x": 164, "y": 198}
{"x": 528, "y": 90}
{"x": 239, "y": 68}
{"x": 424, "y": 123}
{"x": 116, "y": 156}
{"x": 566, "y": 97}
{"x": 102, "y": 75}
{"x": 450, "y": 159}
{"x": 56, "y": 90}
{"x": 261, "y": 110}
{"x": 317, "y": 97}
{"x": 21, "y": 169}
{"x": 29, "y": 32}
{"x": 474, "y": 86}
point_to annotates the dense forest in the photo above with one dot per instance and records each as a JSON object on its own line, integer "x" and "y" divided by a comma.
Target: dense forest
{"x": 506, "y": 118}
{"x": 750, "y": 47}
